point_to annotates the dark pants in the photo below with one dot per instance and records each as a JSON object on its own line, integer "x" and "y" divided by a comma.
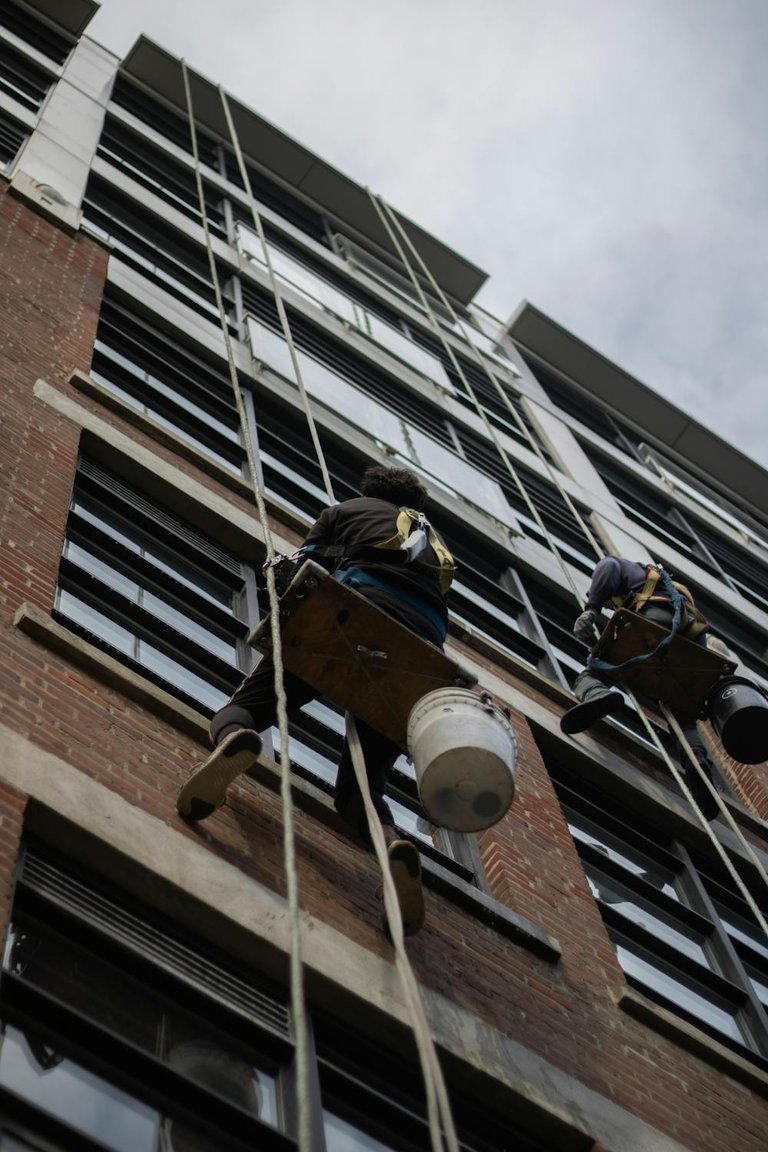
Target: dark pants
{"x": 254, "y": 705}
{"x": 256, "y": 695}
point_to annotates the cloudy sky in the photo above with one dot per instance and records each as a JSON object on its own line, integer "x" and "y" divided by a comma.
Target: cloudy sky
{"x": 605, "y": 159}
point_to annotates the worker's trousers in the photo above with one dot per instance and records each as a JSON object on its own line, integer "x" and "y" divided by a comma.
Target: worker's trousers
{"x": 257, "y": 696}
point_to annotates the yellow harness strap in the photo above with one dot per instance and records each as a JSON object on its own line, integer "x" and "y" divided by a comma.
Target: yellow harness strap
{"x": 407, "y": 520}
{"x": 694, "y": 622}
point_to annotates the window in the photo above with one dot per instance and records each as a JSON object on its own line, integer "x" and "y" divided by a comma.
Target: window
{"x": 156, "y": 373}
{"x": 155, "y": 170}
{"x": 163, "y": 118}
{"x": 152, "y": 591}
{"x": 175, "y": 263}
{"x": 12, "y": 136}
{"x": 384, "y": 409}
{"x": 121, "y": 1032}
{"x": 577, "y": 403}
{"x": 330, "y": 293}
{"x": 22, "y": 80}
{"x": 174, "y": 125}
{"x": 683, "y": 938}
{"x": 488, "y": 596}
{"x": 747, "y": 525}
{"x": 483, "y": 390}
{"x": 348, "y": 365}
{"x": 129, "y": 1034}
{"x": 645, "y": 504}
{"x": 36, "y": 32}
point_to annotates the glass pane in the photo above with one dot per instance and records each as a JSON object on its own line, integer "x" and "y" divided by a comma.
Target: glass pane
{"x": 130, "y": 644}
{"x": 228, "y": 431}
{"x": 159, "y": 607}
{"x": 680, "y": 994}
{"x": 66, "y": 1090}
{"x": 104, "y": 572}
{"x": 642, "y": 913}
{"x": 740, "y": 929}
{"x": 759, "y": 983}
{"x": 96, "y": 622}
{"x": 630, "y": 858}
{"x": 343, "y": 1137}
{"x": 181, "y": 677}
{"x": 132, "y": 1010}
{"x": 465, "y": 480}
{"x": 162, "y": 558}
{"x": 158, "y": 417}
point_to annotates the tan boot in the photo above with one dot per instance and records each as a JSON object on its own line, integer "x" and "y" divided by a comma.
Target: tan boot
{"x": 206, "y": 788}
{"x": 405, "y": 865}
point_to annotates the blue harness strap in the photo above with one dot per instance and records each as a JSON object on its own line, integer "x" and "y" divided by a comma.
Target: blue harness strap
{"x": 678, "y": 600}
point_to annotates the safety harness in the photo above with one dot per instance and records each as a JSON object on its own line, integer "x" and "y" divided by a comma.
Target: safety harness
{"x": 687, "y": 620}
{"x": 692, "y": 622}
{"x": 413, "y": 534}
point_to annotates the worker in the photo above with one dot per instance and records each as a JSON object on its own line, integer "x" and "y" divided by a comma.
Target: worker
{"x": 642, "y": 588}
{"x": 381, "y": 545}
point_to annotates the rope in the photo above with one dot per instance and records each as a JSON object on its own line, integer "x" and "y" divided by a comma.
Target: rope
{"x": 384, "y": 211}
{"x": 442, "y": 1131}
{"x": 439, "y": 1108}
{"x": 673, "y": 723}
{"x": 279, "y": 304}
{"x": 296, "y": 968}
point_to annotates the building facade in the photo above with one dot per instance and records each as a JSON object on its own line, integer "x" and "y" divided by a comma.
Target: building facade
{"x": 594, "y": 967}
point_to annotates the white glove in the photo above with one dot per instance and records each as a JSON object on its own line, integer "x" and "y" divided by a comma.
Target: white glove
{"x": 584, "y": 627}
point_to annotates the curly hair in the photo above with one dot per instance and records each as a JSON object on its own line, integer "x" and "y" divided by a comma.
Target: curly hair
{"x": 397, "y": 485}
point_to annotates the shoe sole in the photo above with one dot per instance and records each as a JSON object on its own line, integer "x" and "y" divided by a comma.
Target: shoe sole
{"x": 206, "y": 788}
{"x": 583, "y": 716}
{"x": 405, "y": 866}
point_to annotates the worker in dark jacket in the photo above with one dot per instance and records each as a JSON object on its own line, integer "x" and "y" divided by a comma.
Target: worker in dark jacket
{"x": 642, "y": 588}
{"x": 388, "y": 516}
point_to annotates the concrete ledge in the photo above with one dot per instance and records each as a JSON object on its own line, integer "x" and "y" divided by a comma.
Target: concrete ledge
{"x": 694, "y": 1040}
{"x": 35, "y": 623}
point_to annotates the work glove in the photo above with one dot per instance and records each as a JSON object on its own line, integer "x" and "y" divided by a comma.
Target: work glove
{"x": 584, "y": 627}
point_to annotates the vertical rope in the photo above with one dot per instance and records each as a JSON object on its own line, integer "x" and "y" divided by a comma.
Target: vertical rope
{"x": 672, "y": 721}
{"x": 435, "y": 325}
{"x": 280, "y": 305}
{"x": 441, "y": 1126}
{"x": 438, "y": 1106}
{"x": 386, "y": 214}
{"x": 296, "y": 968}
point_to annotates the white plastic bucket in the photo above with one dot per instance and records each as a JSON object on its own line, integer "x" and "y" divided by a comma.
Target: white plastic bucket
{"x": 464, "y": 751}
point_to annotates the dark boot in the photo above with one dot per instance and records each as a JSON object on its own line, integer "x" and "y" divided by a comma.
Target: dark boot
{"x": 705, "y": 801}
{"x": 597, "y": 700}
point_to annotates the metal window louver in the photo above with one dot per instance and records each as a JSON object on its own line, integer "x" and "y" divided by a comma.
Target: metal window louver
{"x": 144, "y": 938}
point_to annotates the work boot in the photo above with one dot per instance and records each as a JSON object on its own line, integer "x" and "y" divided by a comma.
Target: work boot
{"x": 405, "y": 866}
{"x": 596, "y": 700}
{"x": 705, "y": 801}
{"x": 206, "y": 788}
{"x": 584, "y": 715}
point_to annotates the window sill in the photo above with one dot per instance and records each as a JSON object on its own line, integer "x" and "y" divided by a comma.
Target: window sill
{"x": 693, "y": 1040}
{"x": 34, "y": 622}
